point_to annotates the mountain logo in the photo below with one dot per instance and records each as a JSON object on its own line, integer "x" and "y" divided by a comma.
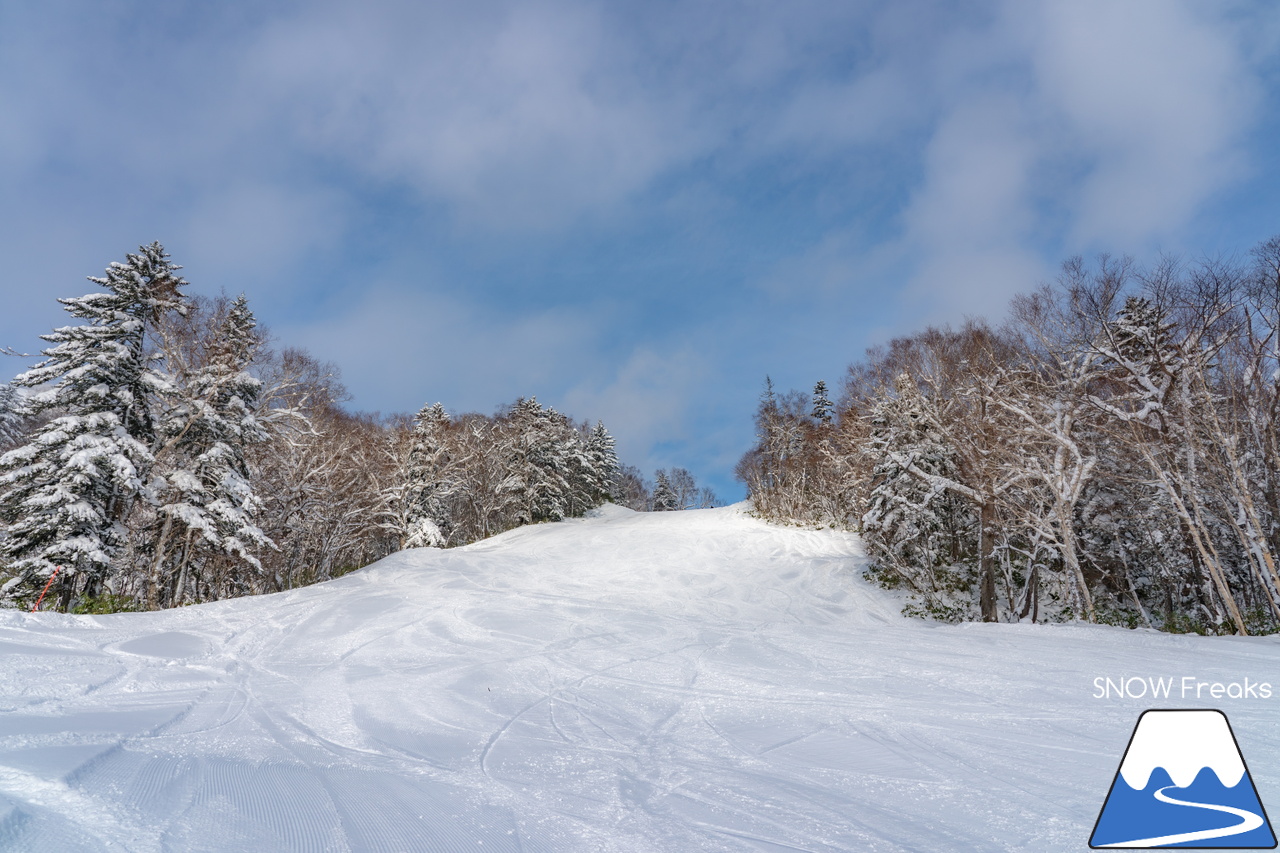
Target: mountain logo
{"x": 1183, "y": 783}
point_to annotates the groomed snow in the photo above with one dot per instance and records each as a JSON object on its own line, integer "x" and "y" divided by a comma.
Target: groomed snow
{"x": 628, "y": 682}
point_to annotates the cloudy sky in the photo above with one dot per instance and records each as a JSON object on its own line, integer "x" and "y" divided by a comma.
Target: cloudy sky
{"x": 632, "y": 210}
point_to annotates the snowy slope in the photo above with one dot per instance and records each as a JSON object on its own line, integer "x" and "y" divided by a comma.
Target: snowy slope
{"x": 629, "y": 682}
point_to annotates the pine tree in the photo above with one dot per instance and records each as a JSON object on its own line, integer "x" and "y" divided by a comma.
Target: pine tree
{"x": 822, "y": 404}
{"x": 916, "y": 529}
{"x": 1140, "y": 343}
{"x": 603, "y": 465}
{"x": 539, "y": 462}
{"x": 428, "y": 484}
{"x": 664, "y": 496}
{"x": 207, "y": 499}
{"x": 65, "y": 494}
{"x": 12, "y": 419}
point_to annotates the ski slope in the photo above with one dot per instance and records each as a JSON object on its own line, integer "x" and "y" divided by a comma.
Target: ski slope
{"x": 695, "y": 681}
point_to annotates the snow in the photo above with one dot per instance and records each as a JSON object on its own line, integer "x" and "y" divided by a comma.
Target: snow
{"x": 681, "y": 681}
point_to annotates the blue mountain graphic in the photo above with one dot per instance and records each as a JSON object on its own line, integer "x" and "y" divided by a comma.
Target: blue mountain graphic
{"x": 1130, "y": 814}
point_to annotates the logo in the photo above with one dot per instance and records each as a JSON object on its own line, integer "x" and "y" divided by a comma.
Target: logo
{"x": 1183, "y": 783}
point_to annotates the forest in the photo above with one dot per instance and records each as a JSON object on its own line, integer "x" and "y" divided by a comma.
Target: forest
{"x": 163, "y": 453}
{"x": 1109, "y": 453}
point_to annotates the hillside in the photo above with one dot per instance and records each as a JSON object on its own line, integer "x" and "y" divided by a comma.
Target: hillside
{"x": 626, "y": 682}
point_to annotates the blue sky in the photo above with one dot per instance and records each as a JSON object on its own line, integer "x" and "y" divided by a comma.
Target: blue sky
{"x": 632, "y": 210}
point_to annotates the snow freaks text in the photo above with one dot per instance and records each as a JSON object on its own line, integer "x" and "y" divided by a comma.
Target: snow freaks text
{"x": 1178, "y": 687}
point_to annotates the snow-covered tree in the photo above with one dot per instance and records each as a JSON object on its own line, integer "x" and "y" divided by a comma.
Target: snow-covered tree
{"x": 1111, "y": 452}
{"x": 12, "y": 416}
{"x": 64, "y": 495}
{"x": 685, "y": 488}
{"x": 206, "y": 504}
{"x": 428, "y": 483}
{"x": 822, "y": 405}
{"x": 664, "y": 495}
{"x": 632, "y": 490}
{"x": 918, "y": 530}
{"x": 539, "y": 461}
{"x": 1165, "y": 404}
{"x": 602, "y": 466}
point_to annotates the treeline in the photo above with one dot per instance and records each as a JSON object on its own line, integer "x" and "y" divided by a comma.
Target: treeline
{"x": 163, "y": 454}
{"x": 1111, "y": 453}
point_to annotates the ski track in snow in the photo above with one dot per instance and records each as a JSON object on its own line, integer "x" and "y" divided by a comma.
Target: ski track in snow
{"x": 628, "y": 682}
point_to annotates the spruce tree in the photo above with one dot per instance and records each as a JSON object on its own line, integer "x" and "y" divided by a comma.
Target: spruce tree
{"x": 65, "y": 493}
{"x": 603, "y": 459}
{"x": 664, "y": 496}
{"x": 12, "y": 417}
{"x": 914, "y": 530}
{"x": 428, "y": 485}
{"x": 822, "y": 404}
{"x": 207, "y": 504}
{"x": 539, "y": 462}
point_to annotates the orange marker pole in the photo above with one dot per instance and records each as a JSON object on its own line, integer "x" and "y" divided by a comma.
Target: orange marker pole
{"x": 36, "y": 606}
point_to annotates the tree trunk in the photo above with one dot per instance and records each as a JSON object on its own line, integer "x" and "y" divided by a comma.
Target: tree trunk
{"x": 153, "y": 588}
{"x": 181, "y": 587}
{"x": 1072, "y": 560}
{"x": 986, "y": 559}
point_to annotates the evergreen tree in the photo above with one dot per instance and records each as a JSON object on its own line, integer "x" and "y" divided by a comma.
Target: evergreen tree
{"x": 12, "y": 419}
{"x": 429, "y": 487}
{"x": 602, "y": 459}
{"x": 822, "y": 404}
{"x": 65, "y": 494}
{"x": 1150, "y": 365}
{"x": 664, "y": 496}
{"x": 916, "y": 530}
{"x": 539, "y": 462}
{"x": 207, "y": 498}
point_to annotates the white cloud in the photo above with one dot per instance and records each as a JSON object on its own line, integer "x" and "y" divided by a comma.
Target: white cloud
{"x": 878, "y": 166}
{"x": 1152, "y": 96}
{"x": 521, "y": 115}
{"x": 976, "y": 189}
{"x": 401, "y": 344}
{"x": 251, "y": 235}
{"x": 646, "y": 399}
{"x": 1085, "y": 125}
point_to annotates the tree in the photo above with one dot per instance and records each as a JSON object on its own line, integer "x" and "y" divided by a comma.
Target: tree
{"x": 12, "y": 416}
{"x": 632, "y": 491}
{"x": 822, "y": 405}
{"x": 539, "y": 469}
{"x": 957, "y": 372}
{"x": 428, "y": 482}
{"x": 206, "y": 503}
{"x": 1158, "y": 375}
{"x": 916, "y": 527}
{"x": 684, "y": 487}
{"x": 600, "y": 482}
{"x": 664, "y": 496}
{"x": 66, "y": 493}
